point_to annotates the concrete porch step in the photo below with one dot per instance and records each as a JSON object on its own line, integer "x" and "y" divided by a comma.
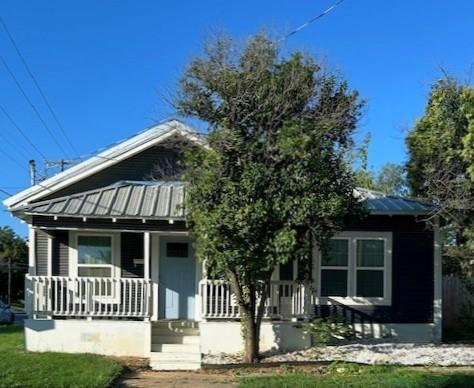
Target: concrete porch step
{"x": 175, "y": 365}
{"x": 166, "y": 357}
{"x": 176, "y": 348}
{"x": 175, "y": 339}
{"x": 175, "y": 361}
{"x": 166, "y": 331}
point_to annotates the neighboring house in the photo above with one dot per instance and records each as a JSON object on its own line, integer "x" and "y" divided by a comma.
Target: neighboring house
{"x": 112, "y": 268}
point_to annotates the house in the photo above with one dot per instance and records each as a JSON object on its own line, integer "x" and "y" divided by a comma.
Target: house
{"x": 112, "y": 268}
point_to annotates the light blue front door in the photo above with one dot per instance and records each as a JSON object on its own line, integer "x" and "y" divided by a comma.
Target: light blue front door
{"x": 177, "y": 286}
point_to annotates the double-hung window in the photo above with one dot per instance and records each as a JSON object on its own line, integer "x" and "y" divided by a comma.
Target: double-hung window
{"x": 94, "y": 255}
{"x": 356, "y": 269}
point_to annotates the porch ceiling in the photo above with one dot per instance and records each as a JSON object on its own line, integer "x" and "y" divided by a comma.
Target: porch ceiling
{"x": 124, "y": 199}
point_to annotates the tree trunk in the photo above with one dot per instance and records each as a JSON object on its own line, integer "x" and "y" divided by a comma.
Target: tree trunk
{"x": 251, "y": 339}
{"x": 251, "y": 314}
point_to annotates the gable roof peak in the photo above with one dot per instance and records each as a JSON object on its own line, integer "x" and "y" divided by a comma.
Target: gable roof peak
{"x": 153, "y": 135}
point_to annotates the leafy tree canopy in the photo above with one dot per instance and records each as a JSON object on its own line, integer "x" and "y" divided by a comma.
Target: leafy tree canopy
{"x": 441, "y": 164}
{"x": 390, "y": 179}
{"x": 275, "y": 171}
{"x": 12, "y": 246}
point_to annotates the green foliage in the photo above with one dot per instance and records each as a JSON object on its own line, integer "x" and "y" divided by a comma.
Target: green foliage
{"x": 390, "y": 179}
{"x": 13, "y": 255}
{"x": 328, "y": 330}
{"x": 351, "y": 375}
{"x": 441, "y": 166}
{"x": 275, "y": 171}
{"x": 12, "y": 246}
{"x": 29, "y": 370}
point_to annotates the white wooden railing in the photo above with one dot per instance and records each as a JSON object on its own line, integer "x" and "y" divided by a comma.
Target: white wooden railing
{"x": 48, "y": 296}
{"x": 286, "y": 299}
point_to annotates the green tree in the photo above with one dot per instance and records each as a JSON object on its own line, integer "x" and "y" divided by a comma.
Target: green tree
{"x": 390, "y": 179}
{"x": 275, "y": 174}
{"x": 441, "y": 165}
{"x": 13, "y": 262}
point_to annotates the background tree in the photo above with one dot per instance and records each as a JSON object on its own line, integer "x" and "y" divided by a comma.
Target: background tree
{"x": 390, "y": 179}
{"x": 13, "y": 263}
{"x": 275, "y": 173}
{"x": 441, "y": 164}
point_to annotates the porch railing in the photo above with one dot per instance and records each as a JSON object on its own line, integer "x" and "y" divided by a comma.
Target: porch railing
{"x": 286, "y": 299}
{"x": 48, "y": 296}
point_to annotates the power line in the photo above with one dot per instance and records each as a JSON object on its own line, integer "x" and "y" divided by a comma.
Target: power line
{"x": 17, "y": 127}
{"x": 12, "y": 159}
{"x": 33, "y": 78}
{"x": 324, "y": 13}
{"x": 32, "y": 105}
{"x": 18, "y": 146}
{"x": 5, "y": 192}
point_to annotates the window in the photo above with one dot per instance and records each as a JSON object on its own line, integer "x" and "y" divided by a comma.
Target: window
{"x": 356, "y": 269}
{"x": 335, "y": 268}
{"x": 94, "y": 256}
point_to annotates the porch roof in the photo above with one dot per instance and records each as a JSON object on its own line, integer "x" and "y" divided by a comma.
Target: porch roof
{"x": 124, "y": 199}
{"x": 165, "y": 200}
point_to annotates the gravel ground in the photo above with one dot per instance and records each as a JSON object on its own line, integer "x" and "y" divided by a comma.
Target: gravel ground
{"x": 385, "y": 353}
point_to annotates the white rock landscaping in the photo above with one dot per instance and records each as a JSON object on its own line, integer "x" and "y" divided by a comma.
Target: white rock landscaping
{"x": 384, "y": 353}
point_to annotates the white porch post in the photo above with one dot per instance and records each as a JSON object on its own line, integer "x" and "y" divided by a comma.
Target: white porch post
{"x": 31, "y": 250}
{"x": 146, "y": 253}
{"x": 146, "y": 263}
{"x": 155, "y": 268}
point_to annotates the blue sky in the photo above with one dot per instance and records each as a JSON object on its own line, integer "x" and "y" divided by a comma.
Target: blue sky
{"x": 105, "y": 65}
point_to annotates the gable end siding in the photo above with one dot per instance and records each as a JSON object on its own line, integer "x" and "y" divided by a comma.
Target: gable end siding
{"x": 136, "y": 168}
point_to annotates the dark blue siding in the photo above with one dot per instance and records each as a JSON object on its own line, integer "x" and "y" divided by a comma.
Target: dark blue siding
{"x": 412, "y": 273}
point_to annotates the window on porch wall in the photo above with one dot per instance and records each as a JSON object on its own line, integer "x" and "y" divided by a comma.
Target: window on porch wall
{"x": 94, "y": 260}
{"x": 94, "y": 256}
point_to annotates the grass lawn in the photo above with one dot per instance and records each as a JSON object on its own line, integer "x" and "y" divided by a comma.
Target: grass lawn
{"x": 351, "y": 375}
{"x": 21, "y": 369}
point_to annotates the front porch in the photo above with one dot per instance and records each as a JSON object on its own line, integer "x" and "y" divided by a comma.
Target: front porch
{"x": 63, "y": 297}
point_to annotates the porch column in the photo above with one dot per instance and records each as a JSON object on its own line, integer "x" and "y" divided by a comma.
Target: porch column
{"x": 146, "y": 254}
{"x": 31, "y": 251}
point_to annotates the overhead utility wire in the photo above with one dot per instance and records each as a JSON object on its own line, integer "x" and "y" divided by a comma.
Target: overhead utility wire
{"x": 324, "y": 13}
{"x": 13, "y": 160}
{"x": 33, "y": 78}
{"x": 32, "y": 105}
{"x": 5, "y": 192}
{"x": 17, "y": 127}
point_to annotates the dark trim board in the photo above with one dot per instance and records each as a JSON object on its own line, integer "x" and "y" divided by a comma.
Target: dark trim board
{"x": 108, "y": 224}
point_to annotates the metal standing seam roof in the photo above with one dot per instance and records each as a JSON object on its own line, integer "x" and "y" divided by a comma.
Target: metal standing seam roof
{"x": 381, "y": 204}
{"x": 165, "y": 200}
{"x": 124, "y": 199}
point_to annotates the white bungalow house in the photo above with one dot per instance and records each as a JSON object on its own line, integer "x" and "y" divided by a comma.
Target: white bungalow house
{"x": 112, "y": 268}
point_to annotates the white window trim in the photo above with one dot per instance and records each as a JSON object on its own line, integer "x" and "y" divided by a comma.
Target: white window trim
{"x": 352, "y": 299}
{"x": 74, "y": 253}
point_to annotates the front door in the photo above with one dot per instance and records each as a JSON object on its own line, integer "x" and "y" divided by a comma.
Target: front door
{"x": 177, "y": 287}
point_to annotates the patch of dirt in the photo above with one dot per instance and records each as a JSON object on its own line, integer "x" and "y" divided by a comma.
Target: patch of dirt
{"x": 222, "y": 376}
{"x": 198, "y": 379}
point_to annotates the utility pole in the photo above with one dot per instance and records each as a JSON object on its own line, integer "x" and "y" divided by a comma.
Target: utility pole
{"x": 62, "y": 164}
{"x": 32, "y": 166}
